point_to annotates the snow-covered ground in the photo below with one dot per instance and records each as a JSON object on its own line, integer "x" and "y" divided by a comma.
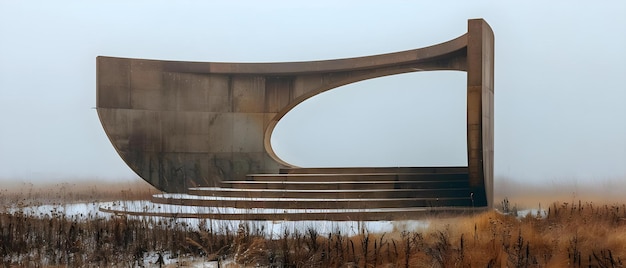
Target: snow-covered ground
{"x": 273, "y": 229}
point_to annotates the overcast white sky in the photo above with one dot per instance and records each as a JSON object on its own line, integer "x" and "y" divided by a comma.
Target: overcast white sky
{"x": 559, "y": 93}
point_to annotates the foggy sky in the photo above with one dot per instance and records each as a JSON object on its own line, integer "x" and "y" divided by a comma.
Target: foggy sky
{"x": 559, "y": 81}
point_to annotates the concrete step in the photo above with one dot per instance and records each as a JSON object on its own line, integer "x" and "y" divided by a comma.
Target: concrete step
{"x": 364, "y": 193}
{"x": 309, "y": 203}
{"x": 260, "y": 214}
{"x": 323, "y": 177}
{"x": 343, "y": 170}
{"x": 327, "y": 194}
{"x": 345, "y": 185}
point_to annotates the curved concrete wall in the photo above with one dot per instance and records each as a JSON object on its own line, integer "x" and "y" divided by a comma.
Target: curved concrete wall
{"x": 184, "y": 124}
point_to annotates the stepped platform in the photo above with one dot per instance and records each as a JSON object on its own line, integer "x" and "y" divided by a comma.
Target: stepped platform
{"x": 327, "y": 194}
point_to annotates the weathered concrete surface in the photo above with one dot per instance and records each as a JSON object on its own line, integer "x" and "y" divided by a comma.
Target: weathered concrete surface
{"x": 186, "y": 124}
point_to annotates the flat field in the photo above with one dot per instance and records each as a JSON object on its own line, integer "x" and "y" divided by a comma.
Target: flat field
{"x": 41, "y": 227}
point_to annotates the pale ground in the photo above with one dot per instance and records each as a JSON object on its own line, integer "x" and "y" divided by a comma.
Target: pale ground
{"x": 601, "y": 191}
{"x": 82, "y": 200}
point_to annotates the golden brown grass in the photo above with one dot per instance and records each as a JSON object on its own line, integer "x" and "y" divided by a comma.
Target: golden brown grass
{"x": 568, "y": 234}
{"x": 28, "y": 194}
{"x": 528, "y": 195}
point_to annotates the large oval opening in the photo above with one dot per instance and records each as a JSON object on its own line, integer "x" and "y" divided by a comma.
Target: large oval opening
{"x": 406, "y": 120}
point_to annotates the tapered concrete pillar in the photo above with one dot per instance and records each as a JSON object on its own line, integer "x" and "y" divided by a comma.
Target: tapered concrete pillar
{"x": 480, "y": 67}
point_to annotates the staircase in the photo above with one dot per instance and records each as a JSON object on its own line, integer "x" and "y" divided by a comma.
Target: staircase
{"x": 329, "y": 194}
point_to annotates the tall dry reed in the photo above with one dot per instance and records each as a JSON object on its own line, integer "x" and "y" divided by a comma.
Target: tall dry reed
{"x": 572, "y": 234}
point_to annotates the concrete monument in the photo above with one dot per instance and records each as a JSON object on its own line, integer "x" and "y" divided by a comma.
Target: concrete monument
{"x": 181, "y": 125}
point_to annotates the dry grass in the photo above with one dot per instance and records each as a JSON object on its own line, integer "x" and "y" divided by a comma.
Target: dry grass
{"x": 579, "y": 235}
{"x": 568, "y": 234}
{"x": 529, "y": 195}
{"x": 28, "y": 194}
